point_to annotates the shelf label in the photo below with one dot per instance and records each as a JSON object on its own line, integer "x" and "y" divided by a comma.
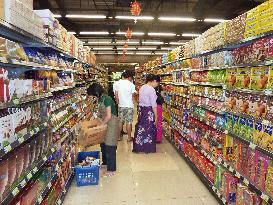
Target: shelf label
{"x": 246, "y": 181}
{"x": 59, "y": 202}
{"x": 45, "y": 159}
{"x": 226, "y": 132}
{"x": 214, "y": 126}
{"x": 231, "y": 169}
{"x": 29, "y": 176}
{"x": 265, "y": 197}
{"x": 31, "y": 132}
{"x": 40, "y": 199}
{"x": 224, "y": 201}
{"x": 16, "y": 101}
{"x": 225, "y": 164}
{"x": 237, "y": 174}
{"x": 23, "y": 183}
{"x": 49, "y": 185}
{"x": 213, "y": 188}
{"x": 220, "y": 160}
{"x": 218, "y": 194}
{"x": 35, "y": 170}
{"x": 37, "y": 129}
{"x": 252, "y": 146}
{"x": 21, "y": 140}
{"x": 15, "y": 191}
{"x": 7, "y": 148}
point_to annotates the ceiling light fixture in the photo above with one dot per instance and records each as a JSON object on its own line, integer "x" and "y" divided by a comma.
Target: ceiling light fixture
{"x": 127, "y": 53}
{"x": 133, "y": 33}
{"x": 161, "y": 34}
{"x": 191, "y": 34}
{"x": 176, "y": 43}
{"x": 102, "y": 48}
{"x": 99, "y": 42}
{"x": 105, "y": 53}
{"x": 83, "y": 16}
{"x": 121, "y": 48}
{"x": 129, "y": 42}
{"x": 135, "y": 18}
{"x": 144, "y": 53}
{"x": 94, "y": 33}
{"x": 153, "y": 42}
{"x": 57, "y": 15}
{"x": 180, "y": 19}
{"x": 71, "y": 32}
{"x": 167, "y": 49}
{"x": 214, "y": 20}
{"x": 146, "y": 48}
{"x": 156, "y": 53}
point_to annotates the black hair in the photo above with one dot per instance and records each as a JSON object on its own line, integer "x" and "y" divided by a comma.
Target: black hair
{"x": 128, "y": 74}
{"x": 157, "y": 78}
{"x": 96, "y": 90}
{"x": 151, "y": 77}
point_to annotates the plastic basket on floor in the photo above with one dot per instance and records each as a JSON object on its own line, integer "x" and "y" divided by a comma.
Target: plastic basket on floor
{"x": 88, "y": 175}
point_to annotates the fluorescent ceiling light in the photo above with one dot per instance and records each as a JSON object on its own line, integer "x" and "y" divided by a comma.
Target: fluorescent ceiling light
{"x": 153, "y": 42}
{"x": 103, "y": 48}
{"x": 181, "y": 19}
{"x": 146, "y": 48}
{"x": 160, "y": 53}
{"x": 99, "y": 42}
{"x": 121, "y": 48}
{"x": 176, "y": 43}
{"x": 191, "y": 34}
{"x": 57, "y": 15}
{"x": 135, "y": 17}
{"x": 161, "y": 34}
{"x": 71, "y": 32}
{"x": 144, "y": 53}
{"x": 167, "y": 49}
{"x": 94, "y": 32}
{"x": 129, "y": 42}
{"x": 133, "y": 33}
{"x": 127, "y": 53}
{"x": 214, "y": 20}
{"x": 104, "y": 53}
{"x": 83, "y": 16}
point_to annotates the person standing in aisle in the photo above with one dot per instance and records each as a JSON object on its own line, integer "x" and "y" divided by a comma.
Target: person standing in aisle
{"x": 145, "y": 132}
{"x": 159, "y": 101}
{"x": 125, "y": 90}
{"x": 108, "y": 113}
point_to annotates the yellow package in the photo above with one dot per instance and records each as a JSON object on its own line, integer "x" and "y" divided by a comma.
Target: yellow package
{"x": 259, "y": 77}
{"x": 243, "y": 78}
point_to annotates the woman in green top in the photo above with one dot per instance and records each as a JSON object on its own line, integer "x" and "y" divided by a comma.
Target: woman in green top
{"x": 108, "y": 113}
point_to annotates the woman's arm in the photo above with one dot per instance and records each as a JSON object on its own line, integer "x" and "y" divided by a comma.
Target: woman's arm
{"x": 108, "y": 115}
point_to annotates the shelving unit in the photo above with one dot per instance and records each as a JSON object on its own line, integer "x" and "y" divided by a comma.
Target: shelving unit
{"x": 222, "y": 139}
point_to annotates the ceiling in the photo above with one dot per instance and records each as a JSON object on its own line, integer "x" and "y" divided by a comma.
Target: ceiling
{"x": 197, "y": 9}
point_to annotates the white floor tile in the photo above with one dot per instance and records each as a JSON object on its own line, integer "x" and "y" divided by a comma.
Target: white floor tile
{"x": 163, "y": 178}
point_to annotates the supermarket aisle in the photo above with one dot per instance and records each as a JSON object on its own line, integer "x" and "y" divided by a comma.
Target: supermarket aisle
{"x": 155, "y": 179}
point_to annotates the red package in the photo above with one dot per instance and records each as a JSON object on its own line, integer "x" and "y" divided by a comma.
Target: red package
{"x": 3, "y": 178}
{"x": 26, "y": 157}
{"x": 260, "y": 49}
{"x": 12, "y": 169}
{"x": 270, "y": 48}
{"x": 261, "y": 170}
{"x": 251, "y": 164}
{"x": 20, "y": 154}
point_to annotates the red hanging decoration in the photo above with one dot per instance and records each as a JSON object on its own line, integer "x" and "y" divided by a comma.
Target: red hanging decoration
{"x": 135, "y": 8}
{"x": 129, "y": 33}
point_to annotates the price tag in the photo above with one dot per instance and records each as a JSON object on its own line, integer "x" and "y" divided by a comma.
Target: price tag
{"x": 49, "y": 185}
{"x": 218, "y": 194}
{"x": 226, "y": 132}
{"x": 31, "y": 132}
{"x": 208, "y": 157}
{"x": 220, "y": 160}
{"x": 265, "y": 197}
{"x": 224, "y": 201}
{"x": 237, "y": 174}
{"x": 59, "y": 202}
{"x": 213, "y": 188}
{"x": 29, "y": 176}
{"x": 246, "y": 181}
{"x": 45, "y": 159}
{"x": 231, "y": 169}
{"x": 37, "y": 129}
{"x": 15, "y": 191}
{"x": 35, "y": 170}
{"x": 7, "y": 148}
{"x": 23, "y": 183}
{"x": 214, "y": 126}
{"x": 194, "y": 144}
{"x": 16, "y": 101}
{"x": 45, "y": 124}
{"x": 65, "y": 191}
{"x": 252, "y": 146}
{"x": 225, "y": 164}
{"x": 52, "y": 149}
{"x": 40, "y": 199}
{"x": 21, "y": 140}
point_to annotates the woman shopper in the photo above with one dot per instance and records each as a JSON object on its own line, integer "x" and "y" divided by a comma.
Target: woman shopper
{"x": 159, "y": 101}
{"x": 108, "y": 113}
{"x": 145, "y": 132}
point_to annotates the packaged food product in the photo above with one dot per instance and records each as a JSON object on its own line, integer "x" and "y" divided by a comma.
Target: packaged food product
{"x": 259, "y": 77}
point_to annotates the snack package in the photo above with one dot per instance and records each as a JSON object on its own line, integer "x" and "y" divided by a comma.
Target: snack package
{"x": 244, "y": 165}
{"x": 251, "y": 164}
{"x": 250, "y": 130}
{"x": 231, "y": 77}
{"x": 229, "y": 122}
{"x": 270, "y": 78}
{"x": 261, "y": 170}
{"x": 229, "y": 187}
{"x": 237, "y": 154}
{"x": 243, "y": 127}
{"x": 236, "y": 125}
{"x": 253, "y": 104}
{"x": 243, "y": 78}
{"x": 3, "y": 178}
{"x": 258, "y": 133}
{"x": 261, "y": 109}
{"x": 259, "y": 77}
{"x": 269, "y": 179}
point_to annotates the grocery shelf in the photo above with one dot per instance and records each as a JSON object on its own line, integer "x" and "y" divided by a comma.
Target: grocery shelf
{"x": 180, "y": 95}
{"x": 215, "y": 192}
{"x": 207, "y": 84}
{"x": 222, "y": 99}
{"x": 61, "y": 88}
{"x": 28, "y": 177}
{"x": 256, "y": 92}
{"x": 22, "y": 139}
{"x": 16, "y": 102}
{"x": 202, "y": 119}
{"x": 65, "y": 190}
{"x": 212, "y": 109}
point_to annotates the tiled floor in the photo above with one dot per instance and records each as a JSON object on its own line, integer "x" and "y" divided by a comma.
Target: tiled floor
{"x": 154, "y": 179}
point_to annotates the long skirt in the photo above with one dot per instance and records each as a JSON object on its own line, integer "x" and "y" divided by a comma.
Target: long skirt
{"x": 145, "y": 132}
{"x": 159, "y": 124}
